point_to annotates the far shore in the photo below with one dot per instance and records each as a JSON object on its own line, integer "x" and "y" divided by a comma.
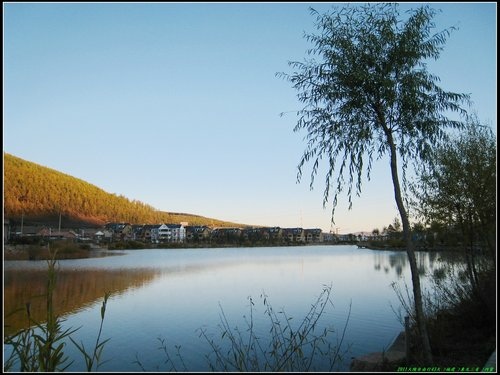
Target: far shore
{"x": 33, "y": 252}
{"x": 25, "y": 252}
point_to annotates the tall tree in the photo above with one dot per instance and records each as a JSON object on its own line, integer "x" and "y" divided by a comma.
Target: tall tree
{"x": 458, "y": 189}
{"x": 367, "y": 93}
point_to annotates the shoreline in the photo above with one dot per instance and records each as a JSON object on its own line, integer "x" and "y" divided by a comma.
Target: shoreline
{"x": 38, "y": 252}
{"x": 417, "y": 248}
{"x": 25, "y": 252}
{"x": 35, "y": 252}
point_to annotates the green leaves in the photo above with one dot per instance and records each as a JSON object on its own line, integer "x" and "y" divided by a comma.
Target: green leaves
{"x": 366, "y": 85}
{"x": 458, "y": 187}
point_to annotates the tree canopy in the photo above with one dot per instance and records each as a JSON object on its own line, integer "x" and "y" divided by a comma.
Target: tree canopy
{"x": 366, "y": 79}
{"x": 458, "y": 187}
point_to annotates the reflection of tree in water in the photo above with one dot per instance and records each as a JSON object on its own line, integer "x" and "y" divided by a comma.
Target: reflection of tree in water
{"x": 75, "y": 289}
{"x": 388, "y": 261}
{"x": 427, "y": 262}
{"x": 398, "y": 262}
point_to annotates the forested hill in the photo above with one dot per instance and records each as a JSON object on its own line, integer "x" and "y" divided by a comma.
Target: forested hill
{"x": 40, "y": 194}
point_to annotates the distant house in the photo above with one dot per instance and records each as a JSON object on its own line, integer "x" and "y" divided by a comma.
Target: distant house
{"x": 87, "y": 234}
{"x": 28, "y": 230}
{"x": 136, "y": 232}
{"x": 252, "y": 234}
{"x": 274, "y": 233}
{"x": 363, "y": 236}
{"x": 178, "y": 232}
{"x": 351, "y": 237}
{"x": 265, "y": 234}
{"x": 329, "y": 237}
{"x": 121, "y": 231}
{"x": 313, "y": 235}
{"x": 294, "y": 234}
{"x": 197, "y": 233}
{"x": 148, "y": 233}
{"x": 103, "y": 235}
{"x": 226, "y": 234}
{"x": 171, "y": 233}
{"x": 49, "y": 233}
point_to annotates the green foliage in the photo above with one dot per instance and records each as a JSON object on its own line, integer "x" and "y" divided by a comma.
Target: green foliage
{"x": 457, "y": 190}
{"x": 366, "y": 88}
{"x": 41, "y": 193}
{"x": 457, "y": 193}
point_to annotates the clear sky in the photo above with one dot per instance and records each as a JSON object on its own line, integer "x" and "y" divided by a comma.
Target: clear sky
{"x": 177, "y": 104}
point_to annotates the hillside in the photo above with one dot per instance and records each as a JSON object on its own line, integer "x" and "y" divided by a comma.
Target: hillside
{"x": 40, "y": 194}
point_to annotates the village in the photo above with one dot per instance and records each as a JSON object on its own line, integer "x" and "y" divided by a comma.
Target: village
{"x": 182, "y": 233}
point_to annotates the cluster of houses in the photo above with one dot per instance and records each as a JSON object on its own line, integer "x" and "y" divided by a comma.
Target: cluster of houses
{"x": 175, "y": 233}
{"x": 178, "y": 233}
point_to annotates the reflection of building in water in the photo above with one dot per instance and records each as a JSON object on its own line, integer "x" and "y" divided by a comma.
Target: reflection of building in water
{"x": 74, "y": 290}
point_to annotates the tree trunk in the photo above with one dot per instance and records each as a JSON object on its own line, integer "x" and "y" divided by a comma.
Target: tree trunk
{"x": 417, "y": 292}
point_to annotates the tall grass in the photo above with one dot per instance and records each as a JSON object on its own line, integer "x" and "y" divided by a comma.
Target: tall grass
{"x": 95, "y": 358}
{"x": 287, "y": 348}
{"x": 40, "y": 347}
{"x": 168, "y": 361}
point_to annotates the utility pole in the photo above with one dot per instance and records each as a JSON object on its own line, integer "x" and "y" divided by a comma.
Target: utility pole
{"x": 23, "y": 198}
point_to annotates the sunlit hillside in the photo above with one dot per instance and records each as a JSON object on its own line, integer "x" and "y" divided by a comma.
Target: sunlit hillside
{"x": 40, "y": 194}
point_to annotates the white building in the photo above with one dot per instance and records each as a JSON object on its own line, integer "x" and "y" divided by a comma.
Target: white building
{"x": 171, "y": 233}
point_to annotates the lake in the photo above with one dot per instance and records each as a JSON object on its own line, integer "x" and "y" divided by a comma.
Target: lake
{"x": 176, "y": 294}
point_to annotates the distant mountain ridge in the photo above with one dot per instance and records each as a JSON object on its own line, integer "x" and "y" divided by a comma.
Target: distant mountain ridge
{"x": 40, "y": 194}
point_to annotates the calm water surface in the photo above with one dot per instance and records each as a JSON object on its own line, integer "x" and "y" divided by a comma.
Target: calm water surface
{"x": 173, "y": 293}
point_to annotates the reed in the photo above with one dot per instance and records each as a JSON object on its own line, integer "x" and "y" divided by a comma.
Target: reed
{"x": 95, "y": 358}
{"x": 287, "y": 348}
{"x": 40, "y": 347}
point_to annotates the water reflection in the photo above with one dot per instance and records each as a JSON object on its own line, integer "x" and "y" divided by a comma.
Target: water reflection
{"x": 427, "y": 262}
{"x": 173, "y": 293}
{"x": 75, "y": 290}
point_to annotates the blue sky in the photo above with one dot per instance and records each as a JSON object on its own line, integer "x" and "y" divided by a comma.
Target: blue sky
{"x": 177, "y": 104}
